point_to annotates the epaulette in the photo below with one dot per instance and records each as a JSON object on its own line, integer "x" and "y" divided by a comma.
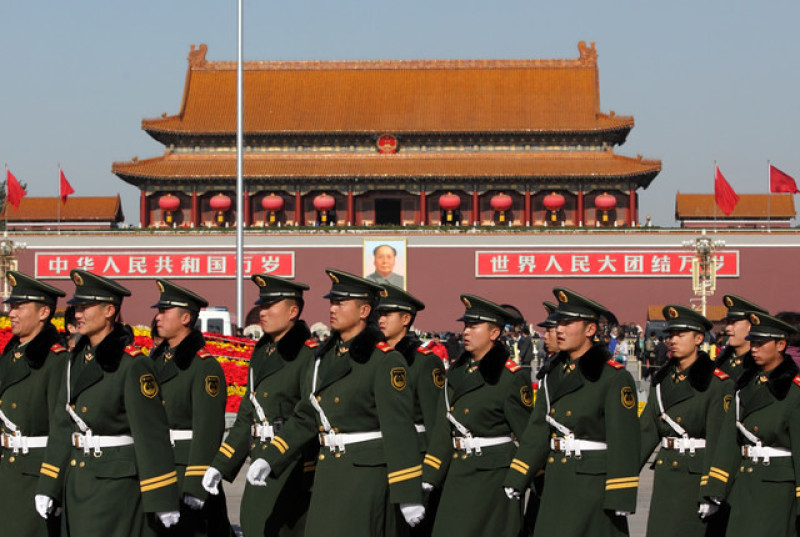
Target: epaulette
{"x": 58, "y": 348}
{"x": 203, "y": 353}
{"x": 383, "y": 346}
{"x": 422, "y": 350}
{"x": 615, "y": 364}
{"x": 311, "y": 344}
{"x": 796, "y": 380}
{"x": 722, "y": 375}
{"x": 512, "y": 366}
{"x": 133, "y": 350}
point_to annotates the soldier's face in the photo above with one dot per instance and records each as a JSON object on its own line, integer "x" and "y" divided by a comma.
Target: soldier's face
{"x": 737, "y": 331}
{"x": 767, "y": 352}
{"x": 575, "y": 336}
{"x": 384, "y": 260}
{"x": 170, "y": 322}
{"x": 276, "y": 318}
{"x": 550, "y": 340}
{"x": 393, "y": 323}
{"x": 93, "y": 318}
{"x": 479, "y": 337}
{"x": 683, "y": 344}
{"x": 347, "y": 314}
{"x": 27, "y": 319}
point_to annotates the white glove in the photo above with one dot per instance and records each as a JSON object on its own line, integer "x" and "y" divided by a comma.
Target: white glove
{"x": 707, "y": 509}
{"x": 169, "y": 518}
{"x": 413, "y": 513}
{"x": 45, "y": 506}
{"x": 258, "y": 472}
{"x": 512, "y": 493}
{"x": 427, "y": 487}
{"x": 194, "y": 504}
{"x": 211, "y": 480}
{"x": 622, "y": 513}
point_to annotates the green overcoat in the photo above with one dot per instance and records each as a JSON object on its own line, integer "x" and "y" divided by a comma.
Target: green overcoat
{"x": 764, "y": 494}
{"x": 697, "y": 400}
{"x": 116, "y": 492}
{"x": 733, "y": 365}
{"x": 493, "y": 400}
{"x": 362, "y": 388}
{"x": 194, "y": 392}
{"x": 595, "y": 397}
{"x": 280, "y": 374}
{"x": 29, "y": 382}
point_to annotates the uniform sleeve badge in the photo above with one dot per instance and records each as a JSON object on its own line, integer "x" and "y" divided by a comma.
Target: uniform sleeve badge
{"x": 438, "y": 377}
{"x": 627, "y": 397}
{"x": 212, "y": 385}
{"x": 398, "y": 376}
{"x": 726, "y": 402}
{"x": 148, "y": 385}
{"x": 526, "y": 396}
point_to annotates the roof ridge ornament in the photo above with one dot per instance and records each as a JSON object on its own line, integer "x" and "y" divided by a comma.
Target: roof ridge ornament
{"x": 197, "y": 56}
{"x": 588, "y": 54}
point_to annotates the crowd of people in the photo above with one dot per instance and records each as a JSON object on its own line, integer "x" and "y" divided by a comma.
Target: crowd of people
{"x": 372, "y": 431}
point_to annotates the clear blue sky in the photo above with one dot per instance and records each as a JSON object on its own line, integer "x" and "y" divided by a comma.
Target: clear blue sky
{"x": 705, "y": 80}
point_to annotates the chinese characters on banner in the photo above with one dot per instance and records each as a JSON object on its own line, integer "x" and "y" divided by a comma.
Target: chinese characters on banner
{"x": 597, "y": 264}
{"x": 164, "y": 264}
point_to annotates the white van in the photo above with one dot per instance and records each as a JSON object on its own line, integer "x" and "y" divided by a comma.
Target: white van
{"x": 215, "y": 319}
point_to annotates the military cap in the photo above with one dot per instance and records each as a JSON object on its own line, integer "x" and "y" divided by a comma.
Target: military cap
{"x": 346, "y": 286}
{"x": 739, "y": 308}
{"x": 517, "y": 319}
{"x": 27, "y": 289}
{"x": 272, "y": 289}
{"x": 763, "y": 326}
{"x": 680, "y": 318}
{"x": 481, "y": 310}
{"x": 93, "y": 288}
{"x": 175, "y": 296}
{"x": 571, "y": 305}
{"x": 397, "y": 299}
{"x": 552, "y": 316}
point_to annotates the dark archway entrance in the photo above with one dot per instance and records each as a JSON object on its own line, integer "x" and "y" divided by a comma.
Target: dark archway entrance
{"x": 388, "y": 211}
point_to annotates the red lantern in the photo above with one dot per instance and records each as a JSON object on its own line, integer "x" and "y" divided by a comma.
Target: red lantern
{"x": 168, "y": 204}
{"x": 449, "y": 201}
{"x": 554, "y": 202}
{"x": 501, "y": 203}
{"x": 272, "y": 204}
{"x": 220, "y": 204}
{"x": 605, "y": 202}
{"x": 324, "y": 203}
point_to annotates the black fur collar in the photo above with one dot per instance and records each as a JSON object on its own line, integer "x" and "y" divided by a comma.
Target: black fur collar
{"x": 779, "y": 381}
{"x": 700, "y": 372}
{"x": 590, "y": 364}
{"x": 109, "y": 352}
{"x": 408, "y": 348}
{"x": 39, "y": 347}
{"x": 491, "y": 365}
{"x": 185, "y": 351}
{"x": 290, "y": 344}
{"x": 362, "y": 346}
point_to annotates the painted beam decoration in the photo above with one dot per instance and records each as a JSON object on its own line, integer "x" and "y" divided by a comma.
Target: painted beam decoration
{"x": 597, "y": 264}
{"x": 176, "y": 265}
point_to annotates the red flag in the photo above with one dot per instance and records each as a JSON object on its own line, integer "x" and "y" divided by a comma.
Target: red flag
{"x": 780, "y": 182}
{"x": 14, "y": 191}
{"x": 65, "y": 189}
{"x": 724, "y": 194}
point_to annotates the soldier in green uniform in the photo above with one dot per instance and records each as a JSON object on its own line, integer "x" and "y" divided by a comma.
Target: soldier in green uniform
{"x": 736, "y": 355}
{"x": 109, "y": 460}
{"x": 425, "y": 372}
{"x": 194, "y": 392}
{"x": 687, "y": 404}
{"x": 30, "y": 370}
{"x": 584, "y": 432}
{"x": 759, "y": 446}
{"x": 278, "y": 377}
{"x": 361, "y": 410}
{"x": 485, "y": 406}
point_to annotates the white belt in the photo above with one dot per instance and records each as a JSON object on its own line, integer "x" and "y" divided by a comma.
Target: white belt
{"x": 419, "y": 427}
{"x": 764, "y": 452}
{"x": 179, "y": 434}
{"x": 88, "y": 442}
{"x": 569, "y": 445}
{"x": 262, "y": 432}
{"x": 683, "y": 444}
{"x": 470, "y": 444}
{"x": 23, "y": 443}
{"x": 337, "y": 441}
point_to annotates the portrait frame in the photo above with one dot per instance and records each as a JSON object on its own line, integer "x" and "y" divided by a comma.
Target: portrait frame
{"x": 369, "y": 269}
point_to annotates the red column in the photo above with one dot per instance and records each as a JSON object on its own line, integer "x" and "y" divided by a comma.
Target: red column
{"x": 350, "y": 209}
{"x": 476, "y": 214}
{"x": 423, "y": 207}
{"x": 195, "y": 210}
{"x": 246, "y": 203}
{"x": 581, "y": 217}
{"x": 631, "y": 207}
{"x": 144, "y": 214}
{"x": 298, "y": 209}
{"x": 527, "y": 217}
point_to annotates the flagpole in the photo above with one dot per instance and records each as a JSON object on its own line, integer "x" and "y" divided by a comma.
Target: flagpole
{"x": 58, "y": 200}
{"x": 715, "y": 195}
{"x": 239, "y": 179}
{"x": 5, "y": 205}
{"x": 769, "y": 199}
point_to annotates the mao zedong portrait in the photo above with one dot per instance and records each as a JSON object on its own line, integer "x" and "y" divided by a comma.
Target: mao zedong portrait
{"x": 384, "y": 258}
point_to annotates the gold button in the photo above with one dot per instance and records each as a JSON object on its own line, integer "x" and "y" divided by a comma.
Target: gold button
{"x": 84, "y": 409}
{"x": 73, "y": 462}
{"x": 337, "y": 455}
{"x": 659, "y": 462}
{"x": 678, "y": 419}
{"x": 253, "y": 445}
{"x": 321, "y": 457}
{"x": 319, "y": 399}
{"x": 452, "y": 408}
{"x": 749, "y": 470}
{"x": 321, "y": 429}
{"x": 553, "y": 435}
{"x": 464, "y": 456}
{"x": 335, "y": 399}
{"x": 13, "y": 405}
{"x": 266, "y": 394}
{"x": 72, "y": 406}
{"x": 552, "y": 411}
{"x": 564, "y": 460}
{"x": 741, "y": 468}
{"x": 755, "y": 429}
{"x": 163, "y": 403}
{"x": 263, "y": 447}
{"x": 674, "y": 463}
{"x": 82, "y": 464}
{"x": 336, "y": 430}
{"x": 11, "y": 458}
{"x": 455, "y": 455}
{"x": 569, "y": 413}
{"x": 466, "y": 411}
{"x": 551, "y": 460}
